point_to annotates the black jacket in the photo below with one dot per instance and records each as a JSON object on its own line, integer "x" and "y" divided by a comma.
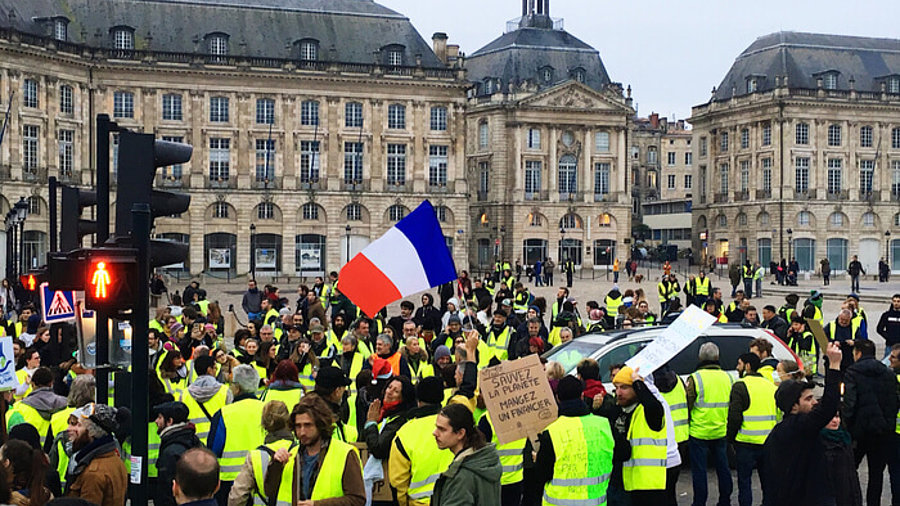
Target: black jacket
{"x": 855, "y": 268}
{"x": 173, "y": 444}
{"x": 777, "y": 325}
{"x": 889, "y": 327}
{"x": 870, "y": 399}
{"x": 841, "y": 464}
{"x": 795, "y": 458}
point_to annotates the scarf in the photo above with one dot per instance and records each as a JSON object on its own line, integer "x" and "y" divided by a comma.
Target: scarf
{"x": 386, "y": 408}
{"x": 839, "y": 436}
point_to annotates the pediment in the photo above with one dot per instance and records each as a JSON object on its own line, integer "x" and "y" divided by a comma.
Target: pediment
{"x": 575, "y": 96}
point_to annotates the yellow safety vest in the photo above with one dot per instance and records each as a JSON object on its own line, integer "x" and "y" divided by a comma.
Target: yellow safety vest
{"x": 267, "y": 319}
{"x": 810, "y": 357}
{"x": 520, "y": 302}
{"x": 425, "y": 370}
{"x": 646, "y": 469}
{"x": 197, "y": 416}
{"x": 153, "y": 442}
{"x": 426, "y": 460}
{"x": 762, "y": 415}
{"x": 709, "y": 415}
{"x": 584, "y": 447}
{"x": 22, "y": 377}
{"x": 511, "y": 456}
{"x": 854, "y": 328}
{"x": 30, "y": 416}
{"x": 243, "y": 431}
{"x": 662, "y": 290}
{"x": 59, "y": 422}
{"x": 677, "y": 401}
{"x": 612, "y": 305}
{"x": 702, "y": 286}
{"x": 259, "y": 460}
{"x": 499, "y": 344}
{"x": 897, "y": 429}
{"x": 306, "y": 377}
{"x": 329, "y": 483}
{"x": 290, "y": 396}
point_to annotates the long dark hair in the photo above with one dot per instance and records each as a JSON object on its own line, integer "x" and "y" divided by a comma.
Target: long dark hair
{"x": 459, "y": 417}
{"x": 29, "y": 468}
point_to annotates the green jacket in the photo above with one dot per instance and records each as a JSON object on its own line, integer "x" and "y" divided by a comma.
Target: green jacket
{"x": 473, "y": 478}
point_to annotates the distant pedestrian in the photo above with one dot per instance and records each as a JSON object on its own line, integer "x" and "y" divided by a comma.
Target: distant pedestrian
{"x": 826, "y": 271}
{"x": 549, "y": 266}
{"x": 854, "y": 269}
{"x": 538, "y": 273}
{"x": 615, "y": 269}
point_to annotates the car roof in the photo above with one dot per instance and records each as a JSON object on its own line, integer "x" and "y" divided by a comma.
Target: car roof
{"x": 719, "y": 329}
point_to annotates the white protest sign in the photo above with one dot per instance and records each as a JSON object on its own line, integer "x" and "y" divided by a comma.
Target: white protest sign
{"x": 676, "y": 337}
{"x": 8, "y": 380}
{"x": 518, "y": 397}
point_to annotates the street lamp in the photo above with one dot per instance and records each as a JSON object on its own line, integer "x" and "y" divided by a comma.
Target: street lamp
{"x": 347, "y": 229}
{"x": 21, "y": 209}
{"x": 790, "y": 245}
{"x": 253, "y": 250}
{"x": 887, "y": 247}
{"x": 562, "y": 239}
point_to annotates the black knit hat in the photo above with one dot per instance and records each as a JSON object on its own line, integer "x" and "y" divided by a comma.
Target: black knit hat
{"x": 569, "y": 388}
{"x": 430, "y": 390}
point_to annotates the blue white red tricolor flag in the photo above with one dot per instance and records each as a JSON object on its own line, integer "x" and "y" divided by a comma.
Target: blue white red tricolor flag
{"x": 410, "y": 257}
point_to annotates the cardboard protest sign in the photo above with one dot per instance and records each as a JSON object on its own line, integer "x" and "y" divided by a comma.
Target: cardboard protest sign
{"x": 818, "y": 331}
{"x": 8, "y": 380}
{"x": 518, "y": 398}
{"x": 676, "y": 337}
{"x": 381, "y": 489}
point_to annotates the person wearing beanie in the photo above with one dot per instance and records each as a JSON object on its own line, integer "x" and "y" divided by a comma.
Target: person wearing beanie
{"x": 577, "y": 447}
{"x": 177, "y": 435}
{"x": 804, "y": 344}
{"x": 414, "y": 454}
{"x": 794, "y": 447}
{"x": 96, "y": 472}
{"x": 787, "y": 310}
{"x": 812, "y": 308}
{"x": 499, "y": 337}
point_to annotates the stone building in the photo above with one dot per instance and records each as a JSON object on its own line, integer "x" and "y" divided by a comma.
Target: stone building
{"x": 797, "y": 153}
{"x": 316, "y": 124}
{"x": 547, "y": 144}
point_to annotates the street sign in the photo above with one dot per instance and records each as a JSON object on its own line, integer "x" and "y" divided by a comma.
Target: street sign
{"x": 58, "y": 305}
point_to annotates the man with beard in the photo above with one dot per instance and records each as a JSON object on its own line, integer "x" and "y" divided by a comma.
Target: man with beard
{"x": 177, "y": 436}
{"x": 449, "y": 335}
{"x": 406, "y": 315}
{"x": 338, "y": 329}
{"x": 96, "y": 473}
{"x": 499, "y": 337}
{"x": 320, "y": 346}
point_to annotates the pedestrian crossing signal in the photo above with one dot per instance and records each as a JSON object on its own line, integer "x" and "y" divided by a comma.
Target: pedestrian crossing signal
{"x": 29, "y": 282}
{"x": 110, "y": 281}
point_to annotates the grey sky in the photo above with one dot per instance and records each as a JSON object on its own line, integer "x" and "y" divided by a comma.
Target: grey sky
{"x": 671, "y": 52}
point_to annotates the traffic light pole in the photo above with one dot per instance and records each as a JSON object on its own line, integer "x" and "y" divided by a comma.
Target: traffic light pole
{"x": 140, "y": 352}
{"x": 104, "y": 128}
{"x": 53, "y": 229}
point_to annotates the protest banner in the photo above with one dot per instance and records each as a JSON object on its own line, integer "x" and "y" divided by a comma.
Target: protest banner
{"x": 676, "y": 337}
{"x": 381, "y": 489}
{"x": 8, "y": 380}
{"x": 818, "y": 332}
{"x": 518, "y": 398}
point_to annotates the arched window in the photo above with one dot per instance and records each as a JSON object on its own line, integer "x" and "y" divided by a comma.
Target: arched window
{"x": 868, "y": 219}
{"x": 836, "y": 220}
{"x": 354, "y": 212}
{"x": 123, "y": 38}
{"x": 310, "y": 211}
{"x": 803, "y": 218}
{"x": 220, "y": 210}
{"x": 722, "y": 221}
{"x": 265, "y": 211}
{"x": 397, "y": 212}
{"x": 570, "y": 221}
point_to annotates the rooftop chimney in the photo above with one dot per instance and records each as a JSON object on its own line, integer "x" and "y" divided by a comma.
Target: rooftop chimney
{"x": 654, "y": 120}
{"x": 439, "y": 44}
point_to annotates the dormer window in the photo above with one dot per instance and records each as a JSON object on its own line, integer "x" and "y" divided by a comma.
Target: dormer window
{"x": 578, "y": 75}
{"x": 309, "y": 50}
{"x": 893, "y": 84}
{"x": 123, "y": 38}
{"x": 217, "y": 44}
{"x": 61, "y": 29}
{"x": 547, "y": 75}
{"x": 830, "y": 81}
{"x": 488, "y": 86}
{"x": 752, "y": 85}
{"x": 393, "y": 55}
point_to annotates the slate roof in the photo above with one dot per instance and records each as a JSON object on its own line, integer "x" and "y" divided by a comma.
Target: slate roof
{"x": 519, "y": 56}
{"x": 258, "y": 28}
{"x": 805, "y": 56}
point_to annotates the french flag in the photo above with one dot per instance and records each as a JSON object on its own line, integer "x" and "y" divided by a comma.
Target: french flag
{"x": 410, "y": 257}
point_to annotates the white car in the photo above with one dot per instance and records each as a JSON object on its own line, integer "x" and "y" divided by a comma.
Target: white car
{"x": 616, "y": 347}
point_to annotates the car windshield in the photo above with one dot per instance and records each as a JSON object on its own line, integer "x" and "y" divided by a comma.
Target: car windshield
{"x": 569, "y": 354}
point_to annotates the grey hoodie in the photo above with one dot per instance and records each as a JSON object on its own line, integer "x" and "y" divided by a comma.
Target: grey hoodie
{"x": 45, "y": 402}
{"x": 205, "y": 387}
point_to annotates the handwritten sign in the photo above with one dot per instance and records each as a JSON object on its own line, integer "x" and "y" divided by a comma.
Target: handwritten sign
{"x": 381, "y": 490}
{"x": 8, "y": 380}
{"x": 676, "y": 337}
{"x": 518, "y": 398}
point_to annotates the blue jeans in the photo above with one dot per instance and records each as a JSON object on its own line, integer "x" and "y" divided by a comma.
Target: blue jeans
{"x": 750, "y": 457}
{"x": 699, "y": 451}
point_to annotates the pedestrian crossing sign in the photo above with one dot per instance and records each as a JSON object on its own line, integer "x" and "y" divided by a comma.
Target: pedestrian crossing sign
{"x": 58, "y": 305}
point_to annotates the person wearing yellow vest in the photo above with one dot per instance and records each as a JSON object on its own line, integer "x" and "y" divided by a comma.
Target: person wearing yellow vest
{"x": 39, "y": 406}
{"x": 713, "y": 309}
{"x": 384, "y": 350}
{"x": 802, "y": 342}
{"x": 613, "y": 301}
{"x": 416, "y": 357}
{"x": 415, "y": 460}
{"x": 671, "y": 389}
{"x": 285, "y": 385}
{"x": 752, "y": 414}
{"x": 844, "y": 330}
{"x": 100, "y": 476}
{"x": 320, "y": 467}
{"x": 473, "y": 477}
{"x": 702, "y": 289}
{"x": 270, "y": 315}
{"x": 176, "y": 436}
{"x": 173, "y": 373}
{"x": 498, "y": 338}
{"x": 236, "y": 429}
{"x": 641, "y": 452}
{"x": 894, "y": 358}
{"x": 763, "y": 349}
{"x": 81, "y": 393}
{"x": 248, "y": 486}
{"x": 331, "y": 386}
{"x": 28, "y": 364}
{"x": 708, "y": 390}
{"x": 574, "y": 463}
{"x": 205, "y": 396}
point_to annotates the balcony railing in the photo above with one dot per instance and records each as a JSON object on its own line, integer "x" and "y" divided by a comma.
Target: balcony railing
{"x": 396, "y": 187}
{"x": 571, "y": 196}
{"x": 222, "y": 183}
{"x": 741, "y": 196}
{"x": 720, "y": 198}
{"x": 602, "y": 197}
{"x": 837, "y": 195}
{"x": 360, "y": 185}
{"x": 272, "y": 183}
{"x": 482, "y": 196}
{"x": 35, "y": 174}
{"x": 443, "y": 187}
{"x": 870, "y": 195}
{"x": 537, "y": 195}
{"x": 763, "y": 194}
{"x": 312, "y": 184}
{"x": 169, "y": 182}
{"x": 805, "y": 194}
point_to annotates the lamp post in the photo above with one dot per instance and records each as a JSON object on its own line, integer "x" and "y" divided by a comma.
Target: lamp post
{"x": 347, "y": 229}
{"x": 887, "y": 248}
{"x": 790, "y": 245}
{"x": 7, "y": 226}
{"x": 21, "y": 209}
{"x": 253, "y": 250}
{"x": 562, "y": 240}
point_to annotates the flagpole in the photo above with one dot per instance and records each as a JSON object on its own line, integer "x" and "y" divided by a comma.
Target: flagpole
{"x": 6, "y": 119}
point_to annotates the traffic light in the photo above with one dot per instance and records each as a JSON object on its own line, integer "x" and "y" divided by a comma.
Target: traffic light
{"x": 111, "y": 279}
{"x": 73, "y": 228}
{"x": 30, "y": 282}
{"x": 139, "y": 157}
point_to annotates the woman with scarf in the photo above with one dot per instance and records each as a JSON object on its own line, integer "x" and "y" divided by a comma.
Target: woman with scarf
{"x": 172, "y": 371}
{"x": 840, "y": 465}
{"x": 388, "y": 414}
{"x": 417, "y": 358}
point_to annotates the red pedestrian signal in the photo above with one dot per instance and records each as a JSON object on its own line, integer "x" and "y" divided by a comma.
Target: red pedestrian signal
{"x": 29, "y": 281}
{"x": 110, "y": 280}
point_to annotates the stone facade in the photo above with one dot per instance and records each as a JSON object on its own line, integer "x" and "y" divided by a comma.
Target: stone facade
{"x": 788, "y": 168}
